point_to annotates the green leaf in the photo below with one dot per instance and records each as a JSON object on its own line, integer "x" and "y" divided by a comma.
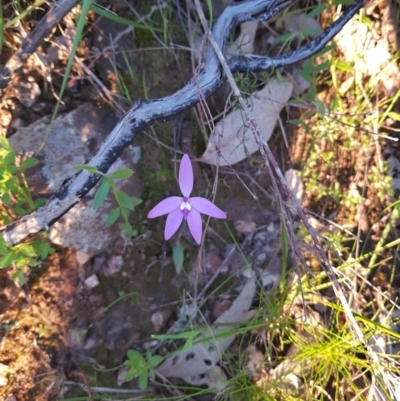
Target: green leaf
{"x": 6, "y": 199}
{"x": 39, "y": 202}
{"x": 19, "y": 275}
{"x": 113, "y": 216}
{"x": 124, "y": 212}
{"x": 20, "y": 211}
{"x": 124, "y": 199}
{"x": 316, "y": 11}
{"x": 12, "y": 169}
{"x": 155, "y": 360}
{"x": 311, "y": 31}
{"x": 27, "y": 250}
{"x": 31, "y": 162}
{"x": 134, "y": 355}
{"x": 10, "y": 158}
{"x": 177, "y": 257}
{"x": 123, "y": 21}
{"x": 143, "y": 379}
{"x": 89, "y": 169}
{"x": 136, "y": 201}
{"x": 3, "y": 245}
{"x": 341, "y": 65}
{"x": 4, "y": 143}
{"x": 326, "y": 49}
{"x": 320, "y": 67}
{"x": 129, "y": 375}
{"x": 121, "y": 174}
{"x": 46, "y": 250}
{"x": 395, "y": 116}
{"x": 286, "y": 37}
{"x": 101, "y": 195}
{"x": 7, "y": 259}
{"x": 344, "y": 2}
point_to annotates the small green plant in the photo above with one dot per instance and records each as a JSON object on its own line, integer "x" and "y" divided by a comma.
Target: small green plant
{"x": 141, "y": 366}
{"x": 125, "y": 203}
{"x": 16, "y": 201}
{"x": 15, "y": 197}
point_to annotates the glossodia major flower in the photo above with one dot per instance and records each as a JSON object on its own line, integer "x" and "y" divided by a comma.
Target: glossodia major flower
{"x": 184, "y": 207}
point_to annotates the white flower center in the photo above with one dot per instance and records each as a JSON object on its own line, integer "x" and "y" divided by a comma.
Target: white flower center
{"x": 185, "y": 205}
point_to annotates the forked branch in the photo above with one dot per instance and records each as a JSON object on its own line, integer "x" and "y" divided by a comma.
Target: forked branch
{"x": 145, "y": 113}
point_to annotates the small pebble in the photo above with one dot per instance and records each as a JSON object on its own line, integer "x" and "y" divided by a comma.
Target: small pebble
{"x": 160, "y": 318}
{"x": 213, "y": 262}
{"x": 244, "y": 227}
{"x": 5, "y": 118}
{"x": 27, "y": 92}
{"x": 92, "y": 281}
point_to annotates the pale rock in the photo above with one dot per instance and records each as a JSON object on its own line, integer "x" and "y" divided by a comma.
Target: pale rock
{"x": 72, "y": 140}
{"x": 92, "y": 281}
{"x": 160, "y": 318}
{"x": 27, "y": 92}
{"x": 244, "y": 227}
{"x": 113, "y": 265}
{"x": 82, "y": 257}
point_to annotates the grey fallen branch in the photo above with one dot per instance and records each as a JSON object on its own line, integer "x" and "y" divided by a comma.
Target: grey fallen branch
{"x": 145, "y": 113}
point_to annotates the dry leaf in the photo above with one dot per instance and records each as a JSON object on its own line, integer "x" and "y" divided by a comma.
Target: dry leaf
{"x": 233, "y": 138}
{"x": 245, "y": 41}
{"x": 201, "y": 358}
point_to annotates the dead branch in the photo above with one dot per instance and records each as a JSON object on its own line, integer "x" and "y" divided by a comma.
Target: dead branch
{"x": 145, "y": 113}
{"x": 56, "y": 13}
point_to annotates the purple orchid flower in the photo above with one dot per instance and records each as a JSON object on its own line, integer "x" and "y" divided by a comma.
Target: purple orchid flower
{"x": 179, "y": 208}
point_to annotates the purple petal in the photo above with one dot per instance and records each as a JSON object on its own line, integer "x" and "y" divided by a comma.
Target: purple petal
{"x": 195, "y": 225}
{"x": 174, "y": 220}
{"x": 186, "y": 176}
{"x": 167, "y": 205}
{"x": 204, "y": 206}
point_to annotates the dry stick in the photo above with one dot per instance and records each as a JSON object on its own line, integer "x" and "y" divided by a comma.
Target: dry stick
{"x": 145, "y": 113}
{"x": 34, "y": 39}
{"x": 270, "y": 160}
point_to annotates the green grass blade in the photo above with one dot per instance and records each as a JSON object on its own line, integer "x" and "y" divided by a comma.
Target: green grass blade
{"x": 79, "y": 29}
{"x": 23, "y": 14}
{"x": 113, "y": 17}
